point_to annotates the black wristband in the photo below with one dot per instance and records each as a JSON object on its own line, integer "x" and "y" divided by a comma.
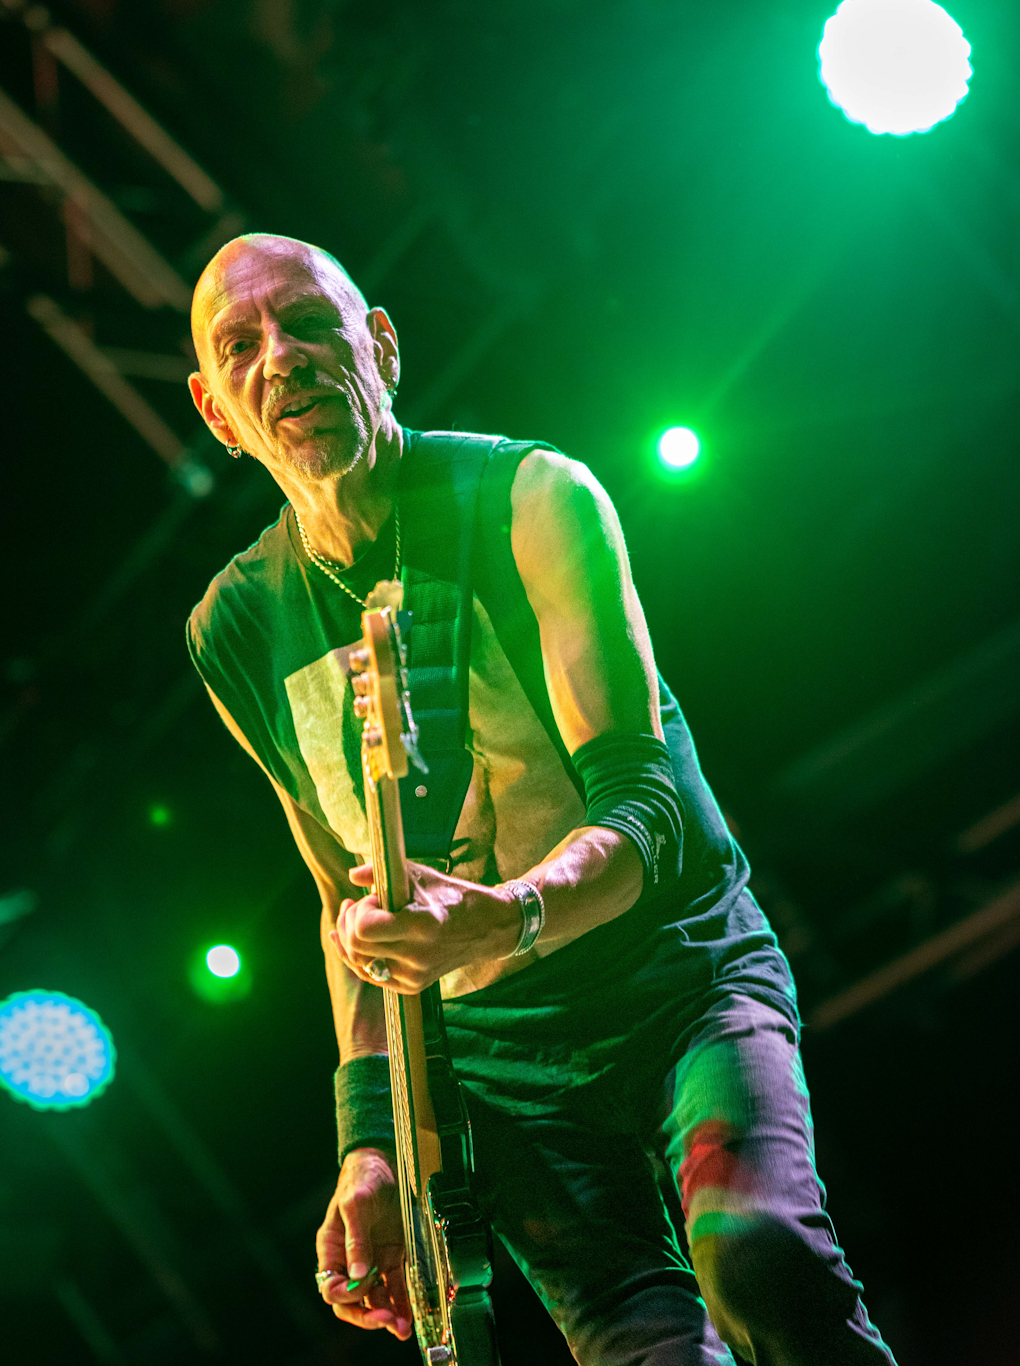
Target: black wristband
{"x": 629, "y": 786}
{"x": 364, "y": 1110}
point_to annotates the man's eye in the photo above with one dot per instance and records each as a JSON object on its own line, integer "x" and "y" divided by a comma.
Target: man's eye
{"x": 238, "y": 346}
{"x": 309, "y": 325}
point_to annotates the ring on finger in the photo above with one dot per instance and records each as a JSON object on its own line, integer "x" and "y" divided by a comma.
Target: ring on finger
{"x": 379, "y": 970}
{"x": 321, "y": 1277}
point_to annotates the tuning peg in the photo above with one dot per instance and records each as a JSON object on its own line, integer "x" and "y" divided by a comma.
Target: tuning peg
{"x": 361, "y": 707}
{"x": 358, "y": 660}
{"x": 373, "y": 738}
{"x": 361, "y": 683}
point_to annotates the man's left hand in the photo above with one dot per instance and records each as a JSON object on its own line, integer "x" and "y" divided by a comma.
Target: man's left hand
{"x": 448, "y": 924}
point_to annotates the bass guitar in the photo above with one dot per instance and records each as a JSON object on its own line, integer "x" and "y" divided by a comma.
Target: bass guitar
{"x": 447, "y": 1243}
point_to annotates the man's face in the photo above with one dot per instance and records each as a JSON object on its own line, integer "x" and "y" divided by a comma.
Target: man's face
{"x": 290, "y": 360}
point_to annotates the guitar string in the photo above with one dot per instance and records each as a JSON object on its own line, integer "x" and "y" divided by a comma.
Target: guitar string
{"x": 393, "y": 1039}
{"x": 418, "y": 1218}
{"x": 394, "y": 1036}
{"x": 401, "y": 1100}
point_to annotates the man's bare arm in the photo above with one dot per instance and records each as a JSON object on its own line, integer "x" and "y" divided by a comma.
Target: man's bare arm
{"x": 599, "y": 667}
{"x": 570, "y": 553}
{"x": 357, "y": 1005}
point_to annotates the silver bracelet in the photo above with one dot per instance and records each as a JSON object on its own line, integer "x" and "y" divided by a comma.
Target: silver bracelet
{"x": 529, "y": 898}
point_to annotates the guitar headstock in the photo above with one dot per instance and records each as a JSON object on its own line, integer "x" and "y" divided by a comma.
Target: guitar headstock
{"x": 379, "y": 679}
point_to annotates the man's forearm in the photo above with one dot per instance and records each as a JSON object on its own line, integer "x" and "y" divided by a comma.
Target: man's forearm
{"x": 590, "y": 878}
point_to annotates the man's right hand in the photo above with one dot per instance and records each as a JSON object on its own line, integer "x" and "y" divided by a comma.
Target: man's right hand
{"x": 362, "y": 1230}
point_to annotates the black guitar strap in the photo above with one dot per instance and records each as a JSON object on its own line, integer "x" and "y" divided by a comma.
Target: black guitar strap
{"x": 455, "y": 528}
{"x": 438, "y": 495}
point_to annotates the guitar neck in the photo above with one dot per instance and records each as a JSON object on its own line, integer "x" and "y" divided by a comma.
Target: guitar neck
{"x": 447, "y": 1292}
{"x": 417, "y": 1138}
{"x": 389, "y": 860}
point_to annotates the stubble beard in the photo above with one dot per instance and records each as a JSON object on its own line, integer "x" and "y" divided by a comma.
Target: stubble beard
{"x": 327, "y": 454}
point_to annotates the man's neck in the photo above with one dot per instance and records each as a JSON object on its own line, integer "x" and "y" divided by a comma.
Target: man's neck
{"x": 343, "y": 514}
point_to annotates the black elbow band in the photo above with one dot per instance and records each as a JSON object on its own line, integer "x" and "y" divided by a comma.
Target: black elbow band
{"x": 629, "y": 787}
{"x": 364, "y": 1110}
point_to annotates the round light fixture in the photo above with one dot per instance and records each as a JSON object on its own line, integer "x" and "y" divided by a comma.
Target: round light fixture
{"x": 896, "y": 66}
{"x": 223, "y": 961}
{"x": 219, "y": 974}
{"x": 678, "y": 447}
{"x": 55, "y": 1053}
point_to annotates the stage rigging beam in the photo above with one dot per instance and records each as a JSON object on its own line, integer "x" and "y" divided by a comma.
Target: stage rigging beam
{"x": 988, "y": 932}
{"x": 75, "y": 342}
{"x": 894, "y": 744}
{"x": 129, "y": 257}
{"x": 134, "y": 119}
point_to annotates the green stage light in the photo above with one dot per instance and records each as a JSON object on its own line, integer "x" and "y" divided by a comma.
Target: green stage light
{"x": 219, "y": 974}
{"x": 223, "y": 961}
{"x": 897, "y": 66}
{"x": 160, "y": 815}
{"x": 678, "y": 448}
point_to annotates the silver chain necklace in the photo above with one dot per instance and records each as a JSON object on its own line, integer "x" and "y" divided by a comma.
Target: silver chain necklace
{"x": 324, "y": 564}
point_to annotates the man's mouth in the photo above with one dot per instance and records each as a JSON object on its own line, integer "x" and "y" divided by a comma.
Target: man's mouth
{"x": 304, "y": 404}
{"x": 299, "y": 407}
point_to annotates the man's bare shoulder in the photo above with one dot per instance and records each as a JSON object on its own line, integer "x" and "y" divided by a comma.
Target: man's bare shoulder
{"x": 558, "y": 504}
{"x": 545, "y": 474}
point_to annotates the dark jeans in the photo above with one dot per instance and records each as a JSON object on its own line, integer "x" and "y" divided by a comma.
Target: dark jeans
{"x": 576, "y": 1200}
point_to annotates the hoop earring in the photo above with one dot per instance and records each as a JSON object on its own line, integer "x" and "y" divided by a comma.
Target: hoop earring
{"x": 236, "y": 452}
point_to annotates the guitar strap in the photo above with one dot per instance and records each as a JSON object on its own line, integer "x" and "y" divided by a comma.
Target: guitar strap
{"x": 455, "y": 525}
{"x": 438, "y": 496}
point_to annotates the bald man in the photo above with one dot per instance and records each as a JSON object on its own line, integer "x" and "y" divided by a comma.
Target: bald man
{"x": 594, "y": 936}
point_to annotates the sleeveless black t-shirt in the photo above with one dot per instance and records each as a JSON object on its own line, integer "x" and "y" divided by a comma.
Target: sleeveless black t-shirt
{"x": 271, "y": 638}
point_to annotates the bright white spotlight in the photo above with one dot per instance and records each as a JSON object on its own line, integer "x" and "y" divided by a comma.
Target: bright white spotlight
{"x": 678, "y": 447}
{"x": 223, "y": 961}
{"x": 897, "y": 66}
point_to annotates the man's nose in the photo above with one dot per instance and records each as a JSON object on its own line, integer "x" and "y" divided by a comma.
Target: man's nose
{"x": 283, "y": 355}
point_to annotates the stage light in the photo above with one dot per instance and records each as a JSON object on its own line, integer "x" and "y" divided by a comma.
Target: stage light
{"x": 160, "y": 815}
{"x": 678, "y": 447}
{"x": 223, "y": 961}
{"x": 219, "y": 974}
{"x": 897, "y": 66}
{"x": 55, "y": 1053}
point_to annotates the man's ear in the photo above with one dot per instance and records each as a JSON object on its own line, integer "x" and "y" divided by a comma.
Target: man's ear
{"x": 387, "y": 350}
{"x": 207, "y": 406}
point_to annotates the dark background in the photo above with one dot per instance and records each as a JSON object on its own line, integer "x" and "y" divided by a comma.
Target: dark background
{"x": 588, "y": 221}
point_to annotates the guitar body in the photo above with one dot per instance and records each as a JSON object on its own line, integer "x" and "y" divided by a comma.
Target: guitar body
{"x": 447, "y": 1243}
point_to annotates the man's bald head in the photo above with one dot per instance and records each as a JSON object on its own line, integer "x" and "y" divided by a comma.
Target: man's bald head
{"x": 295, "y": 369}
{"x": 224, "y": 277}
